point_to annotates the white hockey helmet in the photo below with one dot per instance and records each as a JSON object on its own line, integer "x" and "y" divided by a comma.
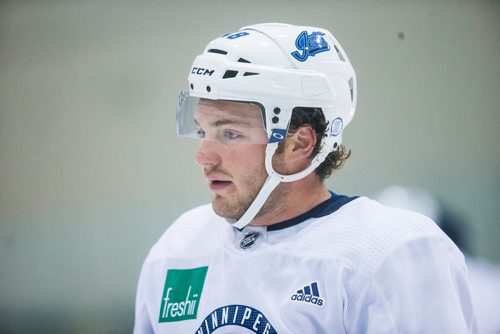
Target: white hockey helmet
{"x": 279, "y": 67}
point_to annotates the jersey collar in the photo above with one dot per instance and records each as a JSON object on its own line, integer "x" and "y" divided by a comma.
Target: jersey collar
{"x": 252, "y": 238}
{"x": 325, "y": 208}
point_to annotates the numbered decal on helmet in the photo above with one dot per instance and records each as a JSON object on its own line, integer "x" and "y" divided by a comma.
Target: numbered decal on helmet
{"x": 236, "y": 35}
{"x": 308, "y": 45}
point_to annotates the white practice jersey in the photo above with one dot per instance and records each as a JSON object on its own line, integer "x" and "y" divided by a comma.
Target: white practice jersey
{"x": 350, "y": 265}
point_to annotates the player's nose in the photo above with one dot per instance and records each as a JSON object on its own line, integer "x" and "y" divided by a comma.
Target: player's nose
{"x": 208, "y": 153}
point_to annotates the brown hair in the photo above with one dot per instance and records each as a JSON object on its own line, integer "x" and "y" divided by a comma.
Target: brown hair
{"x": 314, "y": 116}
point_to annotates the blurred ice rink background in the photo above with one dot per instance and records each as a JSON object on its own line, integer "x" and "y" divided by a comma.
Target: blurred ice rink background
{"x": 91, "y": 172}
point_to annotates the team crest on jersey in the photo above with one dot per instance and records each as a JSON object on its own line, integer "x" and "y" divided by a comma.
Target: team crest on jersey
{"x": 181, "y": 294}
{"x": 308, "y": 45}
{"x": 309, "y": 295}
{"x": 236, "y": 316}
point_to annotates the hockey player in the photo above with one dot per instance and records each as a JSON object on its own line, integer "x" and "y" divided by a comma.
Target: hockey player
{"x": 276, "y": 251}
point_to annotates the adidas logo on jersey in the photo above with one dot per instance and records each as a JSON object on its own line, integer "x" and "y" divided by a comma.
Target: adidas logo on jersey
{"x": 309, "y": 294}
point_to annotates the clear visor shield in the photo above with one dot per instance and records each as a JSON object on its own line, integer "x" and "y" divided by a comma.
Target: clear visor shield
{"x": 222, "y": 121}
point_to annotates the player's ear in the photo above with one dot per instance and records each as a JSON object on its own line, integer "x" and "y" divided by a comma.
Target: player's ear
{"x": 300, "y": 144}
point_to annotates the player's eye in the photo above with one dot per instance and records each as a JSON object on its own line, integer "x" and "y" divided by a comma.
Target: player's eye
{"x": 200, "y": 133}
{"x": 229, "y": 134}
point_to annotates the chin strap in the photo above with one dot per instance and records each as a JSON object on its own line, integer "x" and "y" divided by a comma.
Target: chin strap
{"x": 274, "y": 178}
{"x": 266, "y": 190}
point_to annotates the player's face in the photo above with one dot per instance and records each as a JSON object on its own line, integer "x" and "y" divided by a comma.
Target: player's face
{"x": 231, "y": 152}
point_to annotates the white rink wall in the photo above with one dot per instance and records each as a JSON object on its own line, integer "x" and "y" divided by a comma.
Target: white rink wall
{"x": 91, "y": 172}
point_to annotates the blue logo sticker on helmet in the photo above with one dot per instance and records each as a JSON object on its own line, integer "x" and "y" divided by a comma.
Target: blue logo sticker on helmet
{"x": 308, "y": 45}
{"x": 278, "y": 135}
{"x": 337, "y": 126}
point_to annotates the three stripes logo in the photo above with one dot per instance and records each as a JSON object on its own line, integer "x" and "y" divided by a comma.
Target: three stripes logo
{"x": 309, "y": 294}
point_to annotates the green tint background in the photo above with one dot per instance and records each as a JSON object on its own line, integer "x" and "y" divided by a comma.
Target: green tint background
{"x": 91, "y": 172}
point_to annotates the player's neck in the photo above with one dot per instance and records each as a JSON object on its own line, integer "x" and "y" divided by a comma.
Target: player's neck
{"x": 304, "y": 195}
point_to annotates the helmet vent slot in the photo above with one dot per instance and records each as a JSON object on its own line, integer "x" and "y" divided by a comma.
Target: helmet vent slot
{"x": 229, "y": 74}
{"x": 222, "y": 52}
{"x": 351, "y": 88}
{"x": 341, "y": 56}
{"x": 246, "y": 74}
{"x": 243, "y": 60}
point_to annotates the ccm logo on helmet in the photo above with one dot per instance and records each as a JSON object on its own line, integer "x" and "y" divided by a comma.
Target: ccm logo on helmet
{"x": 202, "y": 71}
